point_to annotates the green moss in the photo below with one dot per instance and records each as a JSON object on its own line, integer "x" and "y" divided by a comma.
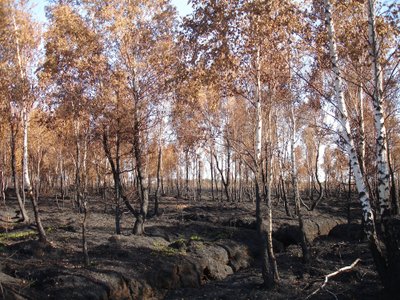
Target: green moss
{"x": 18, "y": 235}
{"x": 195, "y": 238}
{"x": 162, "y": 249}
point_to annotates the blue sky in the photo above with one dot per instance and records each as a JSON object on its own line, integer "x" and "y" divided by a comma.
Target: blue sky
{"x": 183, "y": 8}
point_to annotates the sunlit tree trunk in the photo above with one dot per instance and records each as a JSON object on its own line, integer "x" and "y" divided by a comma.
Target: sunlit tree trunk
{"x": 267, "y": 271}
{"x": 158, "y": 184}
{"x": 178, "y": 176}
{"x": 212, "y": 173}
{"x": 25, "y": 164}
{"x": 368, "y": 215}
{"x": 361, "y": 125}
{"x": 391, "y": 225}
{"x": 268, "y": 183}
{"x": 186, "y": 172}
{"x": 84, "y": 201}
{"x": 3, "y": 179}
{"x": 379, "y": 118}
{"x": 199, "y": 172}
{"x": 78, "y": 178}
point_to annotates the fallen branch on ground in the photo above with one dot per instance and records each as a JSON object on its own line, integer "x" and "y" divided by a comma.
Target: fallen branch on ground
{"x": 327, "y": 277}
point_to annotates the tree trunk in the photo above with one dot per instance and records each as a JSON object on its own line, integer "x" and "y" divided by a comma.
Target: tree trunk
{"x": 84, "y": 239}
{"x": 25, "y": 163}
{"x": 320, "y": 188}
{"x": 2, "y": 178}
{"x": 199, "y": 178}
{"x": 294, "y": 175}
{"x": 349, "y": 197}
{"x": 367, "y": 212}
{"x": 77, "y": 165}
{"x": 391, "y": 225}
{"x": 379, "y": 118}
{"x": 212, "y": 174}
{"x": 187, "y": 173}
{"x": 267, "y": 272}
{"x": 157, "y": 191}
{"x": 268, "y": 201}
{"x": 393, "y": 191}
{"x": 297, "y": 200}
{"x": 115, "y": 169}
{"x": 178, "y": 190}
{"x": 143, "y": 192}
{"x": 13, "y": 134}
{"x": 224, "y": 180}
{"x": 361, "y": 126}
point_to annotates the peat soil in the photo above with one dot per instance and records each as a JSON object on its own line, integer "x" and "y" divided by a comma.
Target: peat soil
{"x": 192, "y": 250}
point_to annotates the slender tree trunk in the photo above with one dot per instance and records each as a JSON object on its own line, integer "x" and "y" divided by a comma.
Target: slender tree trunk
{"x": 115, "y": 169}
{"x": 295, "y": 183}
{"x": 320, "y": 187}
{"x": 367, "y": 212}
{"x": 178, "y": 175}
{"x": 225, "y": 181}
{"x": 25, "y": 163}
{"x": 187, "y": 172}
{"x": 240, "y": 192}
{"x": 2, "y": 178}
{"x": 34, "y": 200}
{"x": 157, "y": 191}
{"x": 268, "y": 201}
{"x": 297, "y": 200}
{"x": 391, "y": 225}
{"x": 199, "y": 171}
{"x": 212, "y": 174}
{"x": 379, "y": 118}
{"x": 13, "y": 134}
{"x": 361, "y": 127}
{"x": 349, "y": 197}
{"x": 84, "y": 201}
{"x": 85, "y": 251}
{"x": 393, "y": 191}
{"x": 267, "y": 271}
{"x": 77, "y": 165}
{"x": 143, "y": 193}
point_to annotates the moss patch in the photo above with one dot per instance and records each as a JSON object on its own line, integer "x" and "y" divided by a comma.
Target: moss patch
{"x": 17, "y": 235}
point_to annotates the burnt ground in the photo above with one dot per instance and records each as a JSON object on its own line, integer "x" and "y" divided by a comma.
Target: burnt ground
{"x": 193, "y": 250}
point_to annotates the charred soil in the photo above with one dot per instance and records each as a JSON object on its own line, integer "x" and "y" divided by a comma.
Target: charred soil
{"x": 192, "y": 250}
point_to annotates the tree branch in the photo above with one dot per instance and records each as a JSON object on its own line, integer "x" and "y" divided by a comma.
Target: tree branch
{"x": 327, "y": 277}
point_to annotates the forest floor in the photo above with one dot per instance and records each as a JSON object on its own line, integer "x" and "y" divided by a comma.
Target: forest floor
{"x": 193, "y": 250}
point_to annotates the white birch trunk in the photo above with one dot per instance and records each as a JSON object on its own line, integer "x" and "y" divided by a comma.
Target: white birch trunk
{"x": 345, "y": 129}
{"x": 379, "y": 118}
{"x": 25, "y": 162}
{"x": 362, "y": 128}
{"x": 25, "y": 113}
{"x": 268, "y": 277}
{"x": 259, "y": 124}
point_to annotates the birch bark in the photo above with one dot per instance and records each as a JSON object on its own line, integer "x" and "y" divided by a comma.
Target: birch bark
{"x": 379, "y": 118}
{"x": 345, "y": 127}
{"x": 368, "y": 216}
{"x": 267, "y": 271}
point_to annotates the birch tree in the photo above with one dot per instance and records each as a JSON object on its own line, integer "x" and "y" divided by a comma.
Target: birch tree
{"x": 386, "y": 264}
